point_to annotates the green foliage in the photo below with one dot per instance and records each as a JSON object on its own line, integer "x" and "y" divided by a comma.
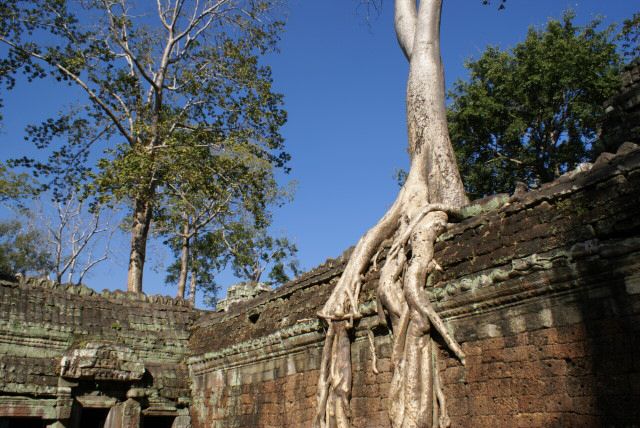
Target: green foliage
{"x": 214, "y": 87}
{"x": 532, "y": 113}
{"x": 207, "y": 257}
{"x": 22, "y": 251}
{"x": 211, "y": 187}
{"x": 253, "y": 251}
{"x": 179, "y": 106}
{"x": 15, "y": 186}
{"x": 629, "y": 38}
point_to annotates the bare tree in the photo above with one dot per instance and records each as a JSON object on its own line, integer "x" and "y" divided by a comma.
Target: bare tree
{"x": 78, "y": 238}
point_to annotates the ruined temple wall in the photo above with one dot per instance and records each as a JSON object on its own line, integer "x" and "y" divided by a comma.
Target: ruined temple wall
{"x": 542, "y": 289}
{"x": 622, "y": 119}
{"x": 41, "y": 322}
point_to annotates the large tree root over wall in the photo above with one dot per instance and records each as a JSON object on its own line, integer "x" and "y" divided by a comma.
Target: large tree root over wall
{"x": 415, "y": 396}
{"x": 432, "y": 195}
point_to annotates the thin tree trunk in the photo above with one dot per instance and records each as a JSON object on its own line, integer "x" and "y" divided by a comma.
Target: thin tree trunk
{"x": 193, "y": 281}
{"x": 184, "y": 261}
{"x": 139, "y": 232}
{"x": 192, "y": 285}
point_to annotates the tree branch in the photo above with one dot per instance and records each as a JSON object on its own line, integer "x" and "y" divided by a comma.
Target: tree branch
{"x": 406, "y": 17}
{"x": 123, "y": 42}
{"x": 103, "y": 106}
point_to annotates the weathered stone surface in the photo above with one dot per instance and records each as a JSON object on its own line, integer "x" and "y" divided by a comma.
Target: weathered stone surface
{"x": 241, "y": 292}
{"x": 58, "y": 342}
{"x": 540, "y": 288}
{"x": 101, "y": 361}
{"x": 622, "y": 122}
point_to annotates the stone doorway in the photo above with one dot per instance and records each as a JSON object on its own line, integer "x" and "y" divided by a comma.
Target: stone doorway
{"x": 93, "y": 417}
{"x": 21, "y": 423}
{"x": 157, "y": 421}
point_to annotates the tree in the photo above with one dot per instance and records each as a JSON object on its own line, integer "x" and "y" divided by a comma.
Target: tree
{"x": 250, "y": 251}
{"x": 253, "y": 251}
{"x": 22, "y": 251}
{"x": 78, "y": 238}
{"x": 191, "y": 68}
{"x": 207, "y": 256}
{"x": 15, "y": 186}
{"x": 210, "y": 188}
{"x": 432, "y": 192}
{"x": 629, "y": 38}
{"x": 534, "y": 112}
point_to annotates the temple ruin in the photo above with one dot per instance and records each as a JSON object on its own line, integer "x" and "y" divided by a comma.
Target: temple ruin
{"x": 541, "y": 288}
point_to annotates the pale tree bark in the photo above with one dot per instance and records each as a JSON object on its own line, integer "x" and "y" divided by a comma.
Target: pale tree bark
{"x": 184, "y": 261}
{"x": 139, "y": 233}
{"x": 193, "y": 277}
{"x": 432, "y": 192}
{"x": 193, "y": 282}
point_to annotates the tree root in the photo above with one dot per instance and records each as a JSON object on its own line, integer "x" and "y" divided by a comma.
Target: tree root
{"x": 416, "y": 397}
{"x": 334, "y": 385}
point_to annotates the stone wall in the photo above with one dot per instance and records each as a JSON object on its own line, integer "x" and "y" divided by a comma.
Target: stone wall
{"x": 622, "y": 120}
{"x": 64, "y": 349}
{"x": 541, "y": 288}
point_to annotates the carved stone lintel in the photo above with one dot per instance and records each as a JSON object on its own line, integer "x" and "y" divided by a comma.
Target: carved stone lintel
{"x": 102, "y": 361}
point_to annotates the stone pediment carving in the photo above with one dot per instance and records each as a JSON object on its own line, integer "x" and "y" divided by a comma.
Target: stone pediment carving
{"x": 101, "y": 361}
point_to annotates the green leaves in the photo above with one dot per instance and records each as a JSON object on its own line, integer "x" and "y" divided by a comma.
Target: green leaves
{"x": 179, "y": 116}
{"x": 532, "y": 113}
{"x": 22, "y": 250}
{"x": 15, "y": 186}
{"x": 629, "y": 38}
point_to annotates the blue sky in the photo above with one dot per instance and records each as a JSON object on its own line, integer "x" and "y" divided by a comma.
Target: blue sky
{"x": 344, "y": 82}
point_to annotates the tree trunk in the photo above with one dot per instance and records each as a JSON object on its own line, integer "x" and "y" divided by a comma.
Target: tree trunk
{"x": 432, "y": 156}
{"x": 184, "y": 261}
{"x": 192, "y": 285}
{"x": 142, "y": 214}
{"x": 433, "y": 190}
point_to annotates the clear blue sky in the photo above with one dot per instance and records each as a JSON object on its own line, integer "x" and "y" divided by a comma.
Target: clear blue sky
{"x": 344, "y": 84}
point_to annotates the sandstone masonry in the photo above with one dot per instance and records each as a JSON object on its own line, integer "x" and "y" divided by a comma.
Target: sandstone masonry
{"x": 541, "y": 288}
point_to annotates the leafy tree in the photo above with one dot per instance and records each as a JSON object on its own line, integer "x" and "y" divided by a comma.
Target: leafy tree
{"x": 207, "y": 257}
{"x": 15, "y": 186}
{"x": 250, "y": 251}
{"x": 629, "y": 38}
{"x": 22, "y": 251}
{"x": 209, "y": 188}
{"x": 253, "y": 251}
{"x": 148, "y": 81}
{"x": 532, "y": 113}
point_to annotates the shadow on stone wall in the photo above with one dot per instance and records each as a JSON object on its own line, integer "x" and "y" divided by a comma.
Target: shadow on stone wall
{"x": 603, "y": 373}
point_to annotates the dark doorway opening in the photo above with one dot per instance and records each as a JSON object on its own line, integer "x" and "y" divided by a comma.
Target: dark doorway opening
{"x": 21, "y": 423}
{"x": 157, "y": 421}
{"x": 94, "y": 418}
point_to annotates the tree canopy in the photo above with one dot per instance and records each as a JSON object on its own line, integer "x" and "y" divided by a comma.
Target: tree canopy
{"x": 22, "y": 250}
{"x": 533, "y": 112}
{"x": 629, "y": 37}
{"x": 165, "y": 84}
